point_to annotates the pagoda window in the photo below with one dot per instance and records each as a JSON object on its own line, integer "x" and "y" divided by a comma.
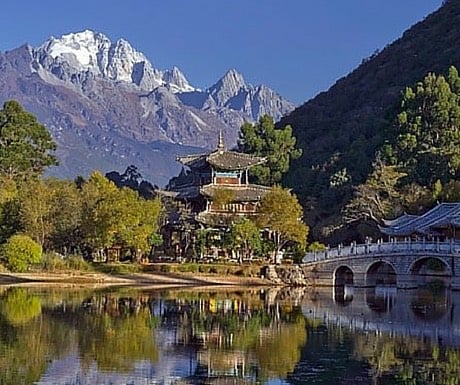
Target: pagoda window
{"x": 228, "y": 177}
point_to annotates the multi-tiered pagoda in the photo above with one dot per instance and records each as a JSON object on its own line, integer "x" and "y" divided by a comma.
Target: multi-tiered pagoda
{"x": 216, "y": 187}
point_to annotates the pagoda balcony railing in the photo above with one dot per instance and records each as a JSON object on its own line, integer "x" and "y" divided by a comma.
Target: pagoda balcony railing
{"x": 392, "y": 247}
{"x": 231, "y": 212}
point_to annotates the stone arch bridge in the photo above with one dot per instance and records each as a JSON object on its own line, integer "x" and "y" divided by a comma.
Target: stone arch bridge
{"x": 406, "y": 264}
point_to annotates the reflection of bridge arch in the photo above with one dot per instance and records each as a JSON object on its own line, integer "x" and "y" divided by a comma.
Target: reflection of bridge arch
{"x": 381, "y": 299}
{"x": 343, "y": 285}
{"x": 396, "y": 315}
{"x": 381, "y": 273}
{"x": 431, "y": 303}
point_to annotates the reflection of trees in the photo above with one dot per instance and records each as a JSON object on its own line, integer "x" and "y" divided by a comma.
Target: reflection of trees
{"x": 27, "y": 338}
{"x": 18, "y": 307}
{"x": 115, "y": 332}
{"x": 408, "y": 360}
{"x": 240, "y": 336}
{"x": 286, "y": 340}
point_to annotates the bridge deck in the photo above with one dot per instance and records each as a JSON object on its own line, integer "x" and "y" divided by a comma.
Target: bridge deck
{"x": 445, "y": 248}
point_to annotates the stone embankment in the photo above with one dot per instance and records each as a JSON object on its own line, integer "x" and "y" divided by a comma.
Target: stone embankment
{"x": 290, "y": 275}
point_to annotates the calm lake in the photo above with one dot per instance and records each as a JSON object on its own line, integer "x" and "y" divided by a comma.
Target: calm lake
{"x": 223, "y": 336}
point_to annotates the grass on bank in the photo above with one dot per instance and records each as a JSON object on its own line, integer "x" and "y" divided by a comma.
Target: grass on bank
{"x": 55, "y": 263}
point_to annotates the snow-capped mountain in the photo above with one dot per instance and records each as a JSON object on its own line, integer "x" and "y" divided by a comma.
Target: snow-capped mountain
{"x": 107, "y": 106}
{"x": 91, "y": 52}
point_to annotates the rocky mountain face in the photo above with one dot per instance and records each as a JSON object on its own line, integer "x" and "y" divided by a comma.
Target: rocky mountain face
{"x": 340, "y": 130}
{"x": 108, "y": 107}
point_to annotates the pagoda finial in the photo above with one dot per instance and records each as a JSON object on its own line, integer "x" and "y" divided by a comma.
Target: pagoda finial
{"x": 220, "y": 141}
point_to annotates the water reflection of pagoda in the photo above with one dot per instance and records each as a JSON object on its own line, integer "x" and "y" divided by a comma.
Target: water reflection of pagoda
{"x": 215, "y": 190}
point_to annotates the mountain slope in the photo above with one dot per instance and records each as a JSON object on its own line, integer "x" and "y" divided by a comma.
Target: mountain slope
{"x": 108, "y": 107}
{"x": 340, "y": 130}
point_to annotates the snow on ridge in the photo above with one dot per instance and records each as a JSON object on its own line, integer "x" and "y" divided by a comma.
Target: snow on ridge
{"x": 118, "y": 61}
{"x": 84, "y": 45}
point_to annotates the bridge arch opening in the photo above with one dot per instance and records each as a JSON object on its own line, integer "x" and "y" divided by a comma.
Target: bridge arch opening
{"x": 343, "y": 285}
{"x": 431, "y": 270}
{"x": 381, "y": 273}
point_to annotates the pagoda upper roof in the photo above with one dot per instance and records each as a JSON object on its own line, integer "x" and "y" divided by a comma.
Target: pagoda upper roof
{"x": 242, "y": 193}
{"x": 441, "y": 216}
{"x": 222, "y": 159}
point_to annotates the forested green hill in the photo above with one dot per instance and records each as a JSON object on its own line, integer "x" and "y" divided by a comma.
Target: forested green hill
{"x": 340, "y": 130}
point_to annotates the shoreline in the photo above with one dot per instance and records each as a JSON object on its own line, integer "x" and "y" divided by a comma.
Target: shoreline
{"x": 82, "y": 278}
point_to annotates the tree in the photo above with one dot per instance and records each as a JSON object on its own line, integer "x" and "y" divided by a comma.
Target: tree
{"x": 245, "y": 236}
{"x": 9, "y": 209}
{"x": 20, "y": 251}
{"x": 26, "y": 146}
{"x": 281, "y": 213}
{"x": 276, "y": 144}
{"x": 100, "y": 211}
{"x": 118, "y": 217}
{"x": 66, "y": 216}
{"x": 36, "y": 208}
{"x": 428, "y": 130}
{"x": 377, "y": 198}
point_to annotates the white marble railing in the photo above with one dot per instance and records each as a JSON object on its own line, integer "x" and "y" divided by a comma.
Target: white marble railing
{"x": 385, "y": 248}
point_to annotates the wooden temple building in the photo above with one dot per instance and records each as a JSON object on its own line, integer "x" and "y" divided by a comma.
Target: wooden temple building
{"x": 213, "y": 189}
{"x": 442, "y": 222}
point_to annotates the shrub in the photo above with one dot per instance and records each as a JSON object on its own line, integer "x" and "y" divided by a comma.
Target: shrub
{"x": 52, "y": 262}
{"x": 20, "y": 251}
{"x": 188, "y": 268}
{"x": 75, "y": 262}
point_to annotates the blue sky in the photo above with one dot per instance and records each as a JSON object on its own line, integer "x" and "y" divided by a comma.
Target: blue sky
{"x": 296, "y": 47}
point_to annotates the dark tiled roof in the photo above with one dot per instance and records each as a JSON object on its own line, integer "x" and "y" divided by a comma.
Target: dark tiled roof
{"x": 188, "y": 192}
{"x": 442, "y": 215}
{"x": 222, "y": 160}
{"x": 193, "y": 161}
{"x": 243, "y": 193}
{"x": 232, "y": 160}
{"x": 397, "y": 222}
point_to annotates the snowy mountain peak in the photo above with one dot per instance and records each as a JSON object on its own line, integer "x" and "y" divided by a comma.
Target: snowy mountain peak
{"x": 80, "y": 48}
{"x": 232, "y": 81}
{"x": 94, "y": 52}
{"x": 177, "y": 81}
{"x": 235, "y": 77}
{"x": 227, "y": 87}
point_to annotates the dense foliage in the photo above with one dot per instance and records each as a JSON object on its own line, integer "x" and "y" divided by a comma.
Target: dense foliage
{"x": 26, "y": 145}
{"x": 281, "y": 213}
{"x": 340, "y": 130}
{"x": 427, "y": 132}
{"x": 277, "y": 145}
{"x": 68, "y": 217}
{"x": 420, "y": 163}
